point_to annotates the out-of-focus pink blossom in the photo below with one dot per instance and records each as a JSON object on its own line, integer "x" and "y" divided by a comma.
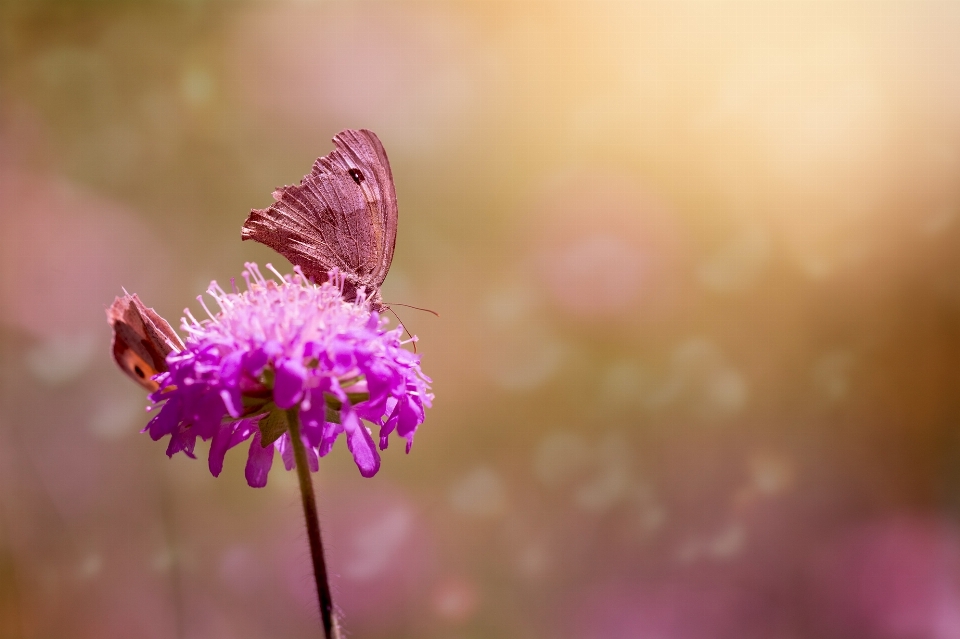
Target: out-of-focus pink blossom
{"x": 455, "y": 599}
{"x": 666, "y": 610}
{"x": 602, "y": 248}
{"x": 893, "y": 579}
{"x": 301, "y": 65}
{"x": 62, "y": 249}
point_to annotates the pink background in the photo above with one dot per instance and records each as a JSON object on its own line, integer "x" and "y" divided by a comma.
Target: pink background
{"x": 697, "y": 364}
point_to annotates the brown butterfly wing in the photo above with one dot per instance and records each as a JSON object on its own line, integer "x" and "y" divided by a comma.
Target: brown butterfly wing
{"x": 342, "y": 214}
{"x": 141, "y": 340}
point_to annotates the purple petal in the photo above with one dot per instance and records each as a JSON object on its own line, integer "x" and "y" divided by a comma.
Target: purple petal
{"x": 336, "y": 390}
{"x": 230, "y": 368}
{"x": 244, "y": 429}
{"x": 218, "y": 449}
{"x": 312, "y": 433}
{"x": 380, "y": 380}
{"x": 232, "y": 401}
{"x": 360, "y": 443}
{"x": 330, "y": 433}
{"x": 286, "y": 452}
{"x": 410, "y": 416}
{"x": 313, "y": 461}
{"x": 254, "y": 361}
{"x": 341, "y": 355}
{"x": 208, "y": 414}
{"x": 226, "y": 437}
{"x": 288, "y": 387}
{"x": 259, "y": 461}
{"x": 312, "y": 349}
{"x": 230, "y": 384}
{"x": 313, "y": 412}
{"x": 285, "y": 444}
{"x": 182, "y": 440}
{"x": 313, "y": 417}
{"x": 166, "y": 420}
{"x": 390, "y": 425}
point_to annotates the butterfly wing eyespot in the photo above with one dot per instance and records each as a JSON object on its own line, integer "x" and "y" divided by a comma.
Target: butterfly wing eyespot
{"x": 139, "y": 370}
{"x": 141, "y": 340}
{"x": 357, "y": 176}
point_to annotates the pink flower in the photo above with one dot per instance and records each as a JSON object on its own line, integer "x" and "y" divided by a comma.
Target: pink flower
{"x": 283, "y": 345}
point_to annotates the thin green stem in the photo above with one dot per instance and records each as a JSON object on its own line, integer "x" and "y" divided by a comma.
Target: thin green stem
{"x": 330, "y": 628}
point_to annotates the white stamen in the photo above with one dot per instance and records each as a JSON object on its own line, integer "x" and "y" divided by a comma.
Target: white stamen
{"x": 220, "y": 295}
{"x": 192, "y": 330}
{"x": 204, "y": 305}
{"x": 336, "y": 279}
{"x": 254, "y": 271}
{"x": 276, "y": 272}
{"x": 187, "y": 312}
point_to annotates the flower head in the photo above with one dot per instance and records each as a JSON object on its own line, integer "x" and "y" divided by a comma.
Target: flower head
{"x": 288, "y": 348}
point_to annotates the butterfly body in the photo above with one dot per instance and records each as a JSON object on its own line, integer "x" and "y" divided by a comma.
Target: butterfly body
{"x": 342, "y": 215}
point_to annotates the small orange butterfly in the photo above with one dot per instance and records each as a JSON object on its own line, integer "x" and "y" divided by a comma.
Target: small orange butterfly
{"x": 141, "y": 340}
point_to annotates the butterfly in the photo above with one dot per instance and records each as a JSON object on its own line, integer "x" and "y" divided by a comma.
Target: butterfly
{"x": 343, "y": 214}
{"x": 141, "y": 340}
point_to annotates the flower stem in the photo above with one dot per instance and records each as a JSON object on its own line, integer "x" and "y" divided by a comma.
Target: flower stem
{"x": 330, "y": 627}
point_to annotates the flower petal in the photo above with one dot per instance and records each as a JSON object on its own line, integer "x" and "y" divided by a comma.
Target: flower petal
{"x": 313, "y": 461}
{"x": 360, "y": 443}
{"x": 285, "y": 445}
{"x": 230, "y": 372}
{"x": 218, "y": 449}
{"x": 166, "y": 420}
{"x": 232, "y": 401}
{"x": 183, "y": 440}
{"x": 254, "y": 361}
{"x": 286, "y": 452}
{"x": 259, "y": 461}
{"x": 208, "y": 412}
{"x": 330, "y": 433}
{"x": 312, "y": 417}
{"x": 226, "y": 437}
{"x": 411, "y": 415}
{"x": 288, "y": 387}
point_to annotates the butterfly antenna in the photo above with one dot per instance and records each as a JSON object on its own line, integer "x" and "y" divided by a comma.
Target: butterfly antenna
{"x": 416, "y": 308}
{"x": 405, "y": 329}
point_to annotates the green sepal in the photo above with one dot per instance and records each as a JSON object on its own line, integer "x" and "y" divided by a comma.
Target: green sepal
{"x": 268, "y": 376}
{"x": 254, "y": 405}
{"x": 354, "y": 398}
{"x": 350, "y": 381}
{"x": 273, "y": 425}
{"x": 331, "y": 415}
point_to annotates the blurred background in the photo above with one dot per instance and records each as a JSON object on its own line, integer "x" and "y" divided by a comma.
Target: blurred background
{"x": 697, "y": 365}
